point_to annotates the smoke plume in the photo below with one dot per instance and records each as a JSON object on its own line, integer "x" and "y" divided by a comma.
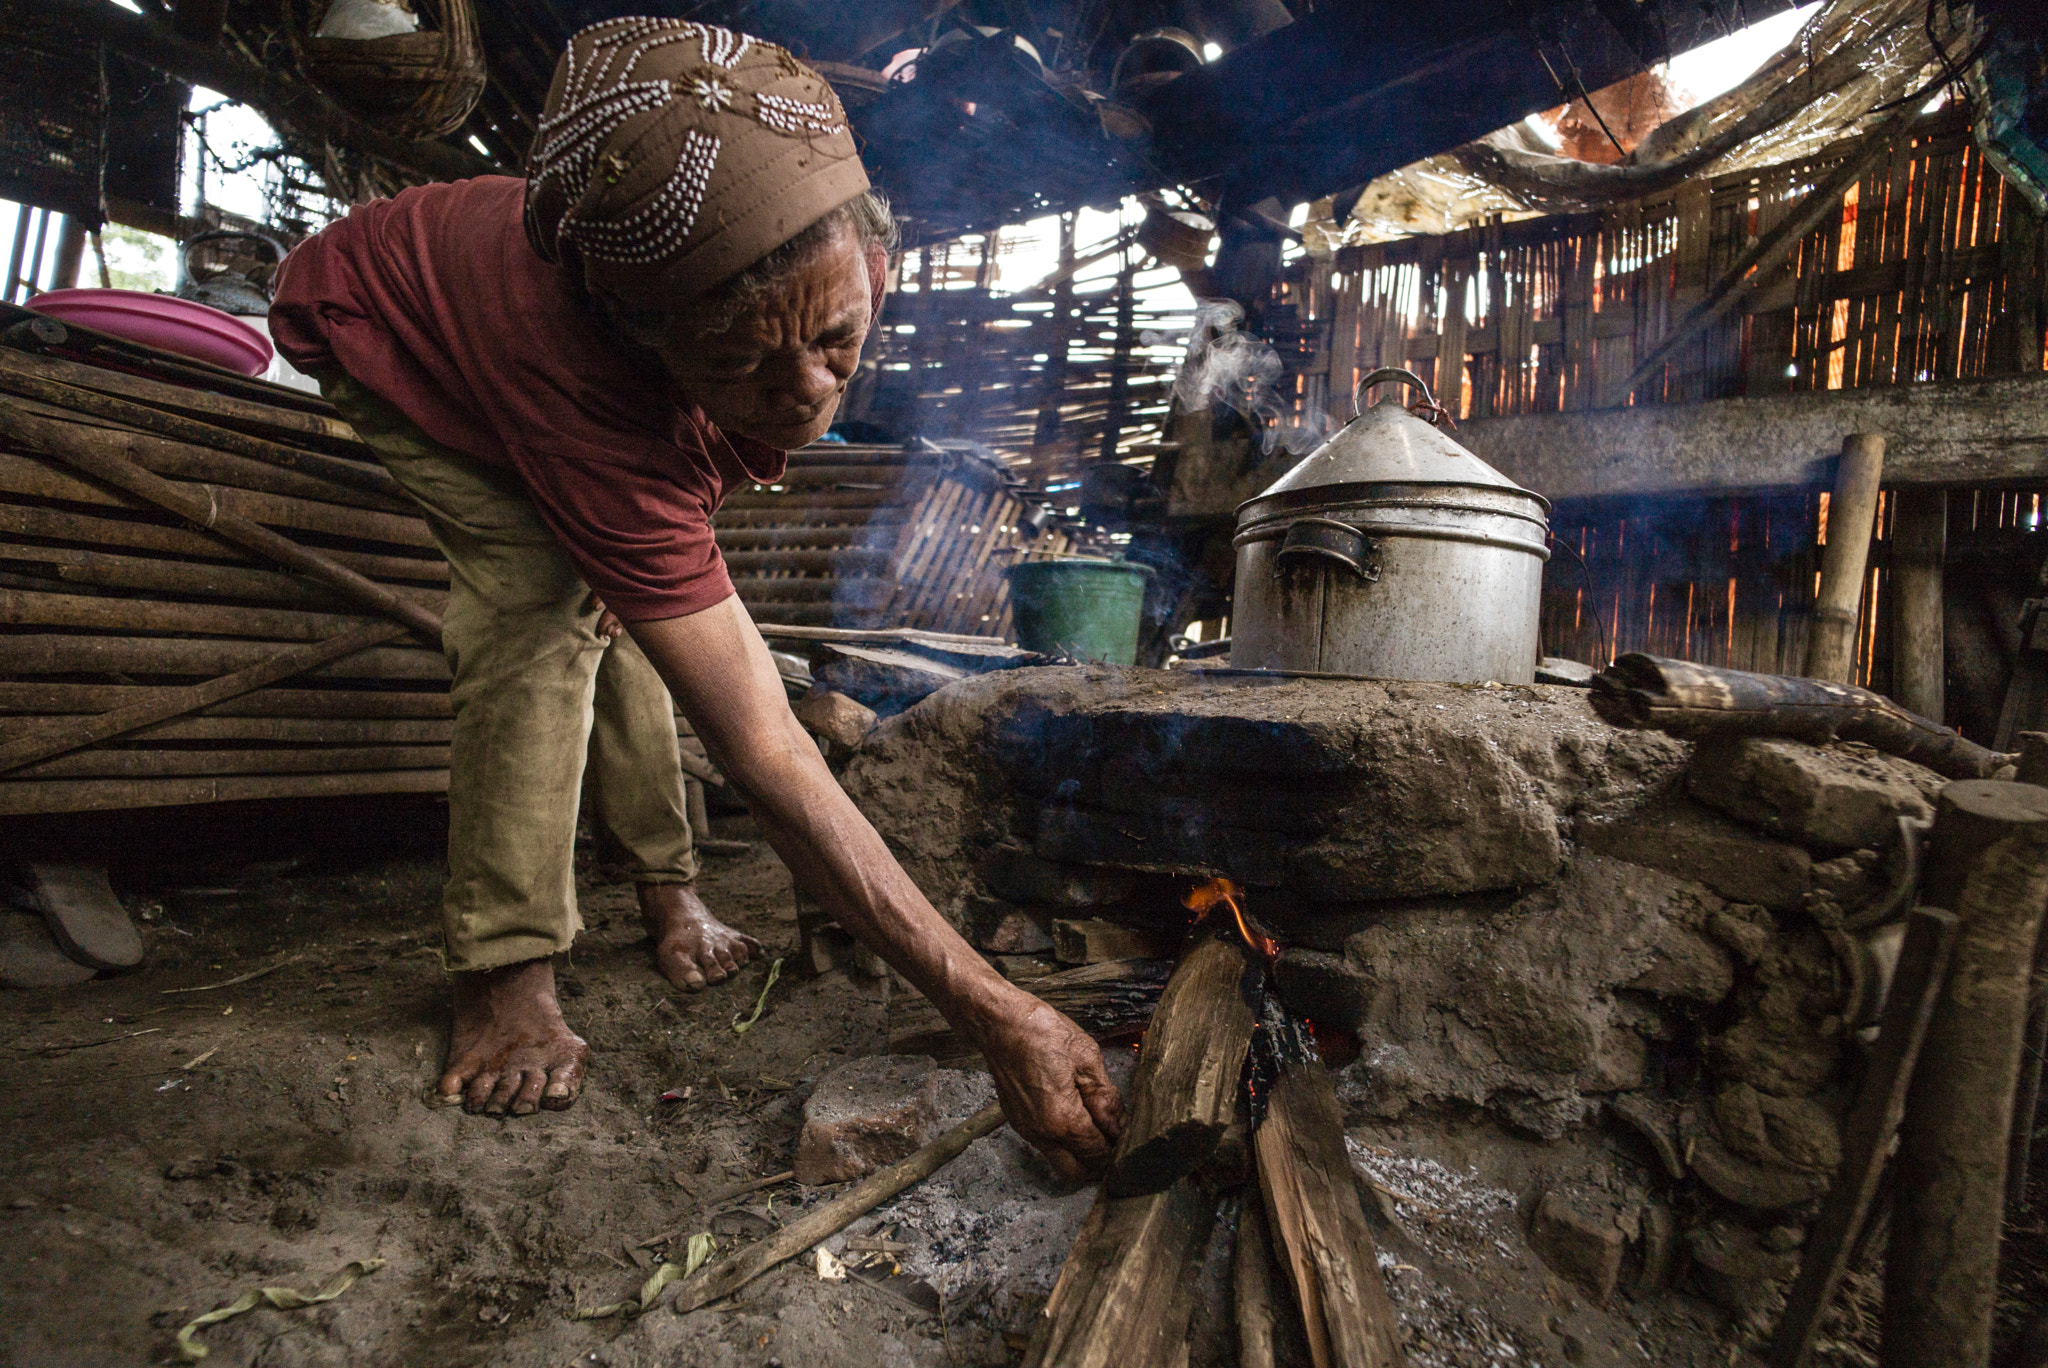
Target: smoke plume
{"x": 1225, "y": 364}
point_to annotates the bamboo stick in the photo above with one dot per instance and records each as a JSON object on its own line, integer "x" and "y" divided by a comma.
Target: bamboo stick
{"x": 25, "y": 521}
{"x": 318, "y": 731}
{"x": 104, "y": 613}
{"x": 1696, "y": 701}
{"x": 103, "y": 763}
{"x": 113, "y": 466}
{"x": 39, "y": 653}
{"x": 34, "y": 698}
{"x": 159, "y": 704}
{"x": 237, "y": 489}
{"x": 728, "y": 1276}
{"x": 1831, "y": 640}
{"x": 30, "y": 796}
{"x": 69, "y": 565}
{"x": 356, "y": 482}
{"x": 1989, "y": 865}
{"x": 272, "y": 420}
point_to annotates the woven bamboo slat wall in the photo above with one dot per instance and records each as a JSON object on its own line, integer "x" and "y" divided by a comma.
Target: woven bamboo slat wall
{"x": 1052, "y": 380}
{"x": 1731, "y": 580}
{"x": 1933, "y": 268}
{"x": 108, "y": 600}
{"x": 882, "y": 536}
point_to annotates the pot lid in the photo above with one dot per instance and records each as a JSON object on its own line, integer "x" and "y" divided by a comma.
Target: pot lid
{"x": 1389, "y": 445}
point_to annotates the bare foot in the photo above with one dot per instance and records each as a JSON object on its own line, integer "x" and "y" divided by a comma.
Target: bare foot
{"x": 511, "y": 1050}
{"x": 692, "y": 948}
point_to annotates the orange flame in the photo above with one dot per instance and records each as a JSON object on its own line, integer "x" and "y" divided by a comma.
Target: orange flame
{"x": 1203, "y": 899}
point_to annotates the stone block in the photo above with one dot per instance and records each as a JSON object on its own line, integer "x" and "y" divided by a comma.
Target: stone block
{"x": 1012, "y": 871}
{"x": 1836, "y": 797}
{"x": 1093, "y": 941}
{"x": 879, "y": 1109}
{"x": 1687, "y": 965}
{"x": 834, "y": 717}
{"x": 1003, "y": 928}
{"x": 1513, "y": 1008}
{"x": 1682, "y": 838}
{"x": 1581, "y": 1242}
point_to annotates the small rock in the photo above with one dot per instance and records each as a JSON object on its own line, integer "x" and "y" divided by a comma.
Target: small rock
{"x": 833, "y": 717}
{"x": 191, "y": 1167}
{"x": 876, "y": 1110}
{"x": 1828, "y": 796}
{"x": 1579, "y": 1242}
{"x": 1003, "y": 928}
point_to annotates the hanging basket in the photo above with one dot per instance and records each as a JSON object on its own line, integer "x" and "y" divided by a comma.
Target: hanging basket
{"x": 411, "y": 85}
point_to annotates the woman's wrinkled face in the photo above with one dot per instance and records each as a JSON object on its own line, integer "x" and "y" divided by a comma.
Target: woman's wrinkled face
{"x": 776, "y": 374}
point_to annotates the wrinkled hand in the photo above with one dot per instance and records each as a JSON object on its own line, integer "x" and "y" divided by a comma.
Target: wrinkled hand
{"x": 1053, "y": 1087}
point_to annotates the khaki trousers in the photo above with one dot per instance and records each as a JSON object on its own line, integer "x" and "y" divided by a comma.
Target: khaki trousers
{"x": 536, "y": 691}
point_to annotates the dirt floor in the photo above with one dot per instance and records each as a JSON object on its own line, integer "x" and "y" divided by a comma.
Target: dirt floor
{"x": 166, "y": 1151}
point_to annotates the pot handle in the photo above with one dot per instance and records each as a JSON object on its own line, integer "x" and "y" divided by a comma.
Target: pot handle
{"x": 1312, "y": 540}
{"x": 1429, "y": 408}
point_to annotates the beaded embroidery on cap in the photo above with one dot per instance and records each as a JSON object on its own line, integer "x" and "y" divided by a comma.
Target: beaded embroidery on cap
{"x": 597, "y": 98}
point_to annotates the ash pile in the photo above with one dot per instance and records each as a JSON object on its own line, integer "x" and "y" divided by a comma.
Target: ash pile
{"x": 1500, "y": 916}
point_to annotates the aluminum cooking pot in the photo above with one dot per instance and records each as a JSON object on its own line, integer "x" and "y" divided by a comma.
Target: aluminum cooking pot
{"x": 1392, "y": 552}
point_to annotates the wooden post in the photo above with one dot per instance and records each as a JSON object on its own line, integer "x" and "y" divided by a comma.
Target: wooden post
{"x": 1988, "y": 863}
{"x": 1831, "y": 640}
{"x": 1186, "y": 1088}
{"x": 1919, "y": 544}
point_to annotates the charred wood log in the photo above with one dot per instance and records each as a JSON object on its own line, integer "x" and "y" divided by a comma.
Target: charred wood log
{"x": 1694, "y": 701}
{"x": 1312, "y": 1206}
{"x": 1190, "y": 1069}
{"x": 1989, "y": 865}
{"x": 1252, "y": 1287}
{"x": 1124, "y": 1297}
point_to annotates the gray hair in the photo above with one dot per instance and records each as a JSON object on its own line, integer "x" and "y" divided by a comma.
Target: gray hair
{"x": 714, "y": 312}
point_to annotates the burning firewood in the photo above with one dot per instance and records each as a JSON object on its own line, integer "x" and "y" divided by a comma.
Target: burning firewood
{"x": 1190, "y": 1070}
{"x": 1124, "y": 1297}
{"x": 1318, "y": 1223}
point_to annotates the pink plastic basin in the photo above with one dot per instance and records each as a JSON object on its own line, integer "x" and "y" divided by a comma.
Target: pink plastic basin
{"x": 159, "y": 320}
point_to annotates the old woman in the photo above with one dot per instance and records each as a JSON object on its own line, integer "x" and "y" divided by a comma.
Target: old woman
{"x": 569, "y": 372}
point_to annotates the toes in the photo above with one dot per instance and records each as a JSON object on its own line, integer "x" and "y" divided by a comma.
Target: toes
{"x": 526, "y": 1101}
{"x": 501, "y": 1096}
{"x": 448, "y": 1092}
{"x": 563, "y": 1082}
{"x": 481, "y": 1085}
{"x": 727, "y": 961}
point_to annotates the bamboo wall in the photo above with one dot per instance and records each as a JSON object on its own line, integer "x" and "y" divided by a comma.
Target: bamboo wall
{"x": 1731, "y": 581}
{"x": 1933, "y": 269}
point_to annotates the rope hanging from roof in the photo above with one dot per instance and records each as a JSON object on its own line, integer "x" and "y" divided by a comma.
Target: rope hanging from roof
{"x": 412, "y": 85}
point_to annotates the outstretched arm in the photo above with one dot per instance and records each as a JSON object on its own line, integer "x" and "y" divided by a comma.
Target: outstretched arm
{"x": 1047, "y": 1072}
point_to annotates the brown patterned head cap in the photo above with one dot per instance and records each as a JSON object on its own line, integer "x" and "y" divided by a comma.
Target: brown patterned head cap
{"x": 677, "y": 153}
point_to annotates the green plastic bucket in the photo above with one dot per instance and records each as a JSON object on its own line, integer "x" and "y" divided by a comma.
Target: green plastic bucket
{"x": 1080, "y": 606}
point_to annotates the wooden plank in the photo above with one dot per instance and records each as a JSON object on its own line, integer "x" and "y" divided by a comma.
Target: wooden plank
{"x": 23, "y": 797}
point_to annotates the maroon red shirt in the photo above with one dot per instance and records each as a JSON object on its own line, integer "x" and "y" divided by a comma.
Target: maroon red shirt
{"x": 434, "y": 300}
